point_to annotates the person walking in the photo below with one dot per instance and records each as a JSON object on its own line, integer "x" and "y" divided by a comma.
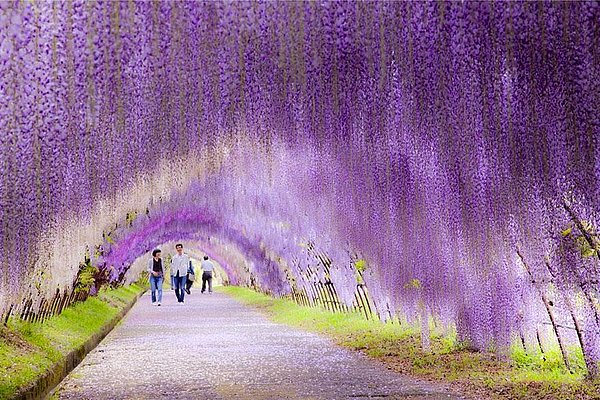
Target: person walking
{"x": 155, "y": 269}
{"x": 179, "y": 266}
{"x": 190, "y": 278}
{"x": 207, "y": 274}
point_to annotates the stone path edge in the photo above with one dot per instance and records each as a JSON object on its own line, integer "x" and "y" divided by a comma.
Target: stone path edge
{"x": 48, "y": 381}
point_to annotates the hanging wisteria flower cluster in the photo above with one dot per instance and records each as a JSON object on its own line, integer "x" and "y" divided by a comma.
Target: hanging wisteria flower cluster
{"x": 452, "y": 149}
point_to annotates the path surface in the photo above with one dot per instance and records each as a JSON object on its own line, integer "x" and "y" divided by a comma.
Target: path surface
{"x": 216, "y": 348}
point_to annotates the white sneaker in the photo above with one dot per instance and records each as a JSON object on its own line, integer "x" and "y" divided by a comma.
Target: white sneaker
{"x": 158, "y": 304}
{"x": 181, "y": 303}
{"x": 153, "y": 303}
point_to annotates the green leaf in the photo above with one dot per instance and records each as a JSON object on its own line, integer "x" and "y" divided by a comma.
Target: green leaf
{"x": 414, "y": 284}
{"x": 587, "y": 226}
{"x": 360, "y": 265}
{"x": 589, "y": 252}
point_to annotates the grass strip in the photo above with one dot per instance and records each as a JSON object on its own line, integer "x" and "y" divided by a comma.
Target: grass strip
{"x": 478, "y": 374}
{"x": 29, "y": 350}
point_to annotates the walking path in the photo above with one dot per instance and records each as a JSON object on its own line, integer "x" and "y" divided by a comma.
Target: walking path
{"x": 215, "y": 348}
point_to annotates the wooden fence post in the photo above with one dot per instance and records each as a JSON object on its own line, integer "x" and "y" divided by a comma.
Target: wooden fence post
{"x": 7, "y": 315}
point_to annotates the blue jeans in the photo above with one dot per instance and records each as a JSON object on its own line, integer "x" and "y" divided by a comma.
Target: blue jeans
{"x": 156, "y": 285}
{"x": 179, "y": 287}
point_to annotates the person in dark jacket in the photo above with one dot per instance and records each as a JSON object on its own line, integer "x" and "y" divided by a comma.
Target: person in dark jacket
{"x": 155, "y": 269}
{"x": 191, "y": 277}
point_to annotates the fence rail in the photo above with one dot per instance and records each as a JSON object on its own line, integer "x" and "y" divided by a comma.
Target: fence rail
{"x": 39, "y": 309}
{"x": 324, "y": 295}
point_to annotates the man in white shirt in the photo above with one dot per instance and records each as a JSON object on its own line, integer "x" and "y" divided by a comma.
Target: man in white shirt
{"x": 179, "y": 266}
{"x": 207, "y": 274}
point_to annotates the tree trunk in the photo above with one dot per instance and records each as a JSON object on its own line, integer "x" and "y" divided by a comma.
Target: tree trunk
{"x": 542, "y": 294}
{"x": 589, "y": 362}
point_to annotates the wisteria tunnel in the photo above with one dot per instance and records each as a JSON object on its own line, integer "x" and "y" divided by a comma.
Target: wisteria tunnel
{"x": 419, "y": 161}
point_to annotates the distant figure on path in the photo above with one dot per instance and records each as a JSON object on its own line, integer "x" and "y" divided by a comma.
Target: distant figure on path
{"x": 207, "y": 274}
{"x": 179, "y": 266}
{"x": 190, "y": 278}
{"x": 155, "y": 269}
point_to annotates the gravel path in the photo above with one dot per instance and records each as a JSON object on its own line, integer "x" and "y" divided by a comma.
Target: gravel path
{"x": 215, "y": 348}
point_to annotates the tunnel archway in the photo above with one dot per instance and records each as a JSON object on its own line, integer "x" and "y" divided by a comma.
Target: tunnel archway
{"x": 450, "y": 169}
